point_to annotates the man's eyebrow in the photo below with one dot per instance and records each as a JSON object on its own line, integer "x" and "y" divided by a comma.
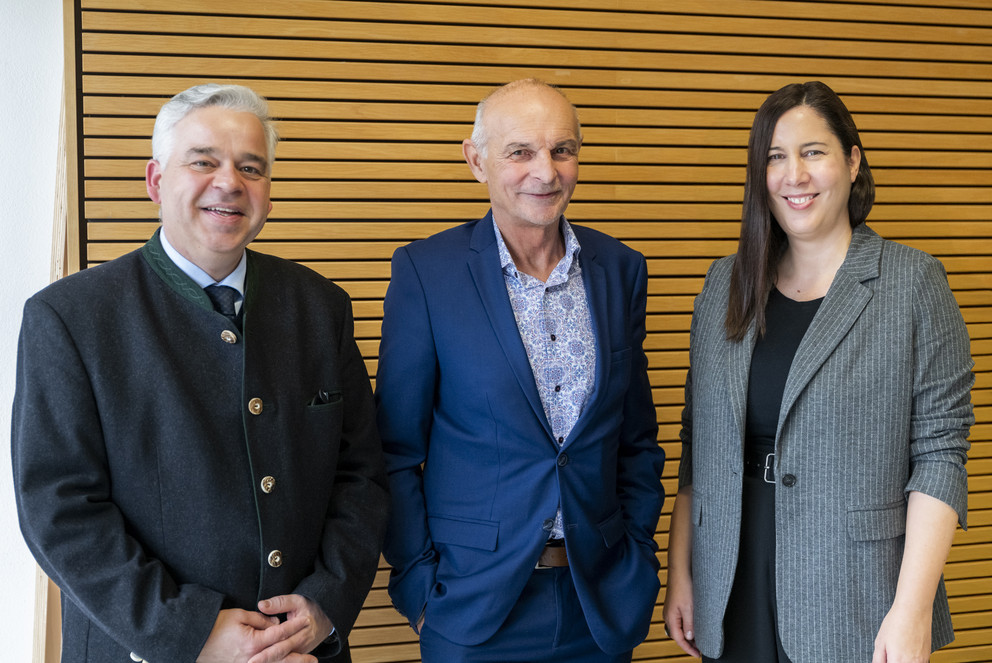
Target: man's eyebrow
{"x": 251, "y": 156}
{"x": 246, "y": 156}
{"x": 522, "y": 145}
{"x": 204, "y": 151}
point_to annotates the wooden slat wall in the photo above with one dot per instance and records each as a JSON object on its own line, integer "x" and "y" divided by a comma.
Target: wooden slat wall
{"x": 375, "y": 97}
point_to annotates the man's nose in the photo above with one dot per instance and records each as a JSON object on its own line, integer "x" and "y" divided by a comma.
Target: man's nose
{"x": 543, "y": 166}
{"x": 227, "y": 177}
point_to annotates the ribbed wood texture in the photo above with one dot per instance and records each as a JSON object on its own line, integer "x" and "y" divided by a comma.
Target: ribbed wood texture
{"x": 374, "y": 99}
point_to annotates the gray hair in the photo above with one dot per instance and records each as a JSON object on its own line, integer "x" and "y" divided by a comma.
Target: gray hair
{"x": 233, "y": 97}
{"x": 480, "y": 138}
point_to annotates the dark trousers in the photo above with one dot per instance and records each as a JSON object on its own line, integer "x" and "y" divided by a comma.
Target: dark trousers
{"x": 750, "y": 626}
{"x": 545, "y": 626}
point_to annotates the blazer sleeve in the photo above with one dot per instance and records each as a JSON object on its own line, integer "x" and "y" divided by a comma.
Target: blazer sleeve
{"x": 67, "y": 515}
{"x": 356, "y": 514}
{"x": 685, "y": 432}
{"x": 942, "y": 378}
{"x": 405, "y": 389}
{"x": 641, "y": 459}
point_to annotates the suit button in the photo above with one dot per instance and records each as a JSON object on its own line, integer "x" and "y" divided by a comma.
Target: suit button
{"x": 789, "y": 480}
{"x": 228, "y": 336}
{"x": 255, "y": 406}
{"x": 562, "y": 460}
{"x": 548, "y": 524}
{"x": 267, "y": 484}
{"x": 275, "y": 559}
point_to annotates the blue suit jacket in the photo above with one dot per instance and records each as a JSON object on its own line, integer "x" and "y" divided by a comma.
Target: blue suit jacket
{"x": 475, "y": 471}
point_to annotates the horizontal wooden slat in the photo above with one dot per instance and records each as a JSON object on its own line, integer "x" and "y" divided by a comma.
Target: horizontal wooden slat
{"x": 451, "y": 152}
{"x": 590, "y": 115}
{"x": 381, "y": 190}
{"x": 869, "y": 100}
{"x": 393, "y": 70}
{"x": 956, "y": 13}
{"x": 607, "y": 29}
{"x": 457, "y": 171}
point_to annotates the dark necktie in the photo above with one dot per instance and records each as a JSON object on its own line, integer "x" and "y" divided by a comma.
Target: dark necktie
{"x": 223, "y": 297}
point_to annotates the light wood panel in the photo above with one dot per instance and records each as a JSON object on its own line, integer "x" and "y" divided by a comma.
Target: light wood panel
{"x": 374, "y": 98}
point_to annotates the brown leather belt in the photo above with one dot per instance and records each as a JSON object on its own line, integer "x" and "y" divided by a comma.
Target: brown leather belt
{"x": 553, "y": 555}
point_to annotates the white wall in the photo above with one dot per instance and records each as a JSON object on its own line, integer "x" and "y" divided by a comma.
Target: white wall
{"x": 31, "y": 51}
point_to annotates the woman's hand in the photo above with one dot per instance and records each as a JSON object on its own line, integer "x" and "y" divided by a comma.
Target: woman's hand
{"x": 678, "y": 612}
{"x": 904, "y": 636}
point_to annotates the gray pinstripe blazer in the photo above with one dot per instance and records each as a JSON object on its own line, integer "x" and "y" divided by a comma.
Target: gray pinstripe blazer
{"x": 876, "y": 404}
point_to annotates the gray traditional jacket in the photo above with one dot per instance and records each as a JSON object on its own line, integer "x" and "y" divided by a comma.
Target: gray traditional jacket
{"x": 168, "y": 466}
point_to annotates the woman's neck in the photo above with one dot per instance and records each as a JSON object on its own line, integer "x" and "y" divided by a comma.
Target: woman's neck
{"x": 807, "y": 269}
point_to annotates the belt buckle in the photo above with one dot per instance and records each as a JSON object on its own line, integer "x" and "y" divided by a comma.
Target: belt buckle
{"x": 769, "y": 465}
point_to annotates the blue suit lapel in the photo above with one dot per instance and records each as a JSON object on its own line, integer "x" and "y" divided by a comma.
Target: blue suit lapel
{"x": 841, "y": 308}
{"x": 483, "y": 264}
{"x": 594, "y": 282}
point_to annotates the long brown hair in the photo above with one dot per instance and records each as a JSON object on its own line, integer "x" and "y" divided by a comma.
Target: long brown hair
{"x": 762, "y": 241}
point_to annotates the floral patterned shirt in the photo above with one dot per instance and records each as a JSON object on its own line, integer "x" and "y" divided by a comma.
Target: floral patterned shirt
{"x": 556, "y": 328}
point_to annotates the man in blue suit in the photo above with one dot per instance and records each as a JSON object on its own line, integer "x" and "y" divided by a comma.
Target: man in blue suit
{"x": 516, "y": 414}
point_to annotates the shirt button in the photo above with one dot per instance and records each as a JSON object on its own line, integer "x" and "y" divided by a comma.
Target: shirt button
{"x": 228, "y": 336}
{"x": 275, "y": 559}
{"x": 789, "y": 480}
{"x": 548, "y": 524}
{"x": 561, "y": 440}
{"x": 554, "y": 338}
{"x": 267, "y": 484}
{"x": 557, "y": 387}
{"x": 562, "y": 460}
{"x": 255, "y": 406}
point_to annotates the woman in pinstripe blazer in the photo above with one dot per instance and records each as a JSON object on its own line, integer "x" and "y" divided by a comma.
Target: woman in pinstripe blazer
{"x": 827, "y": 412}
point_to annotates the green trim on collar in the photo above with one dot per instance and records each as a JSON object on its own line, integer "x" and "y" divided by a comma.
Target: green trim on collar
{"x": 174, "y": 277}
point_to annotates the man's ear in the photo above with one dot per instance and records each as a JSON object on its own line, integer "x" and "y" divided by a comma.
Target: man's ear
{"x": 153, "y": 175}
{"x": 474, "y": 160}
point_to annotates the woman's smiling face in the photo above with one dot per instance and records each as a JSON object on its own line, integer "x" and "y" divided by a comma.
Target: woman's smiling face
{"x": 809, "y": 176}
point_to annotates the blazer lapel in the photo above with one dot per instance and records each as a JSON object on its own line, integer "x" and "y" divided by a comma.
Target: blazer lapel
{"x": 738, "y": 372}
{"x": 842, "y": 306}
{"x": 483, "y": 264}
{"x": 594, "y": 283}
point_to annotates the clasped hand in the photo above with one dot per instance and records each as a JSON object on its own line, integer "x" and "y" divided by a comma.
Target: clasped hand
{"x": 243, "y": 636}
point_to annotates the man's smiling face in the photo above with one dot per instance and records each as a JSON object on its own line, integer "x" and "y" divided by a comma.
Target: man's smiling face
{"x": 213, "y": 189}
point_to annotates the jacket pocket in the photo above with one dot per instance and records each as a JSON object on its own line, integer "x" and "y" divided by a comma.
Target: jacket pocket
{"x": 697, "y": 509}
{"x": 620, "y": 365}
{"x": 612, "y": 528}
{"x": 876, "y": 523}
{"x": 323, "y": 422}
{"x": 479, "y": 534}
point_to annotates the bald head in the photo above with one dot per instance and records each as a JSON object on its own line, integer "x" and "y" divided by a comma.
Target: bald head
{"x": 513, "y": 91}
{"x": 526, "y": 150}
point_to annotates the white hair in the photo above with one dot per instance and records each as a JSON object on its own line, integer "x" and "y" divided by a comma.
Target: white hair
{"x": 233, "y": 97}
